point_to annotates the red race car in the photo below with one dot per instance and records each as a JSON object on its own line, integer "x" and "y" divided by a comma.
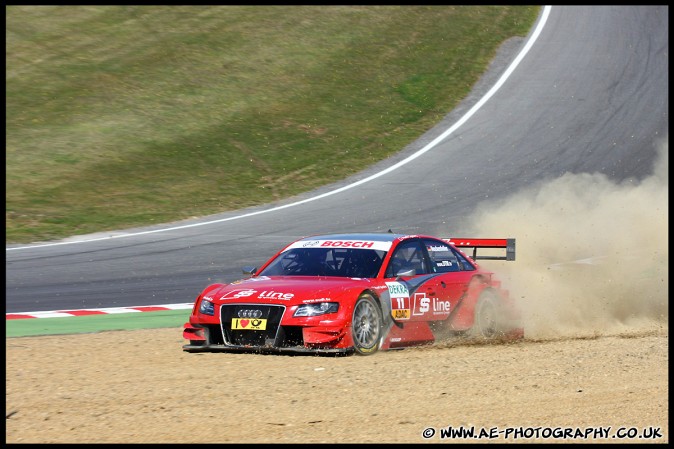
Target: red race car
{"x": 346, "y": 293}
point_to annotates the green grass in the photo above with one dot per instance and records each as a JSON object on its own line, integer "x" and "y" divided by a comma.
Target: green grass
{"x": 121, "y": 116}
{"x": 97, "y": 323}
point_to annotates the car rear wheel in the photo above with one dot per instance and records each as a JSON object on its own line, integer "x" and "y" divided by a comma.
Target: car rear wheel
{"x": 366, "y": 326}
{"x": 487, "y": 318}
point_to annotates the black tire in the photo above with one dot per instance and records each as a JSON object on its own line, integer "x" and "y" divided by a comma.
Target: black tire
{"x": 366, "y": 326}
{"x": 487, "y": 323}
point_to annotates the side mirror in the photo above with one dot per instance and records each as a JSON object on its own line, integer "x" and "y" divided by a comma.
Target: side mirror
{"x": 406, "y": 273}
{"x": 249, "y": 270}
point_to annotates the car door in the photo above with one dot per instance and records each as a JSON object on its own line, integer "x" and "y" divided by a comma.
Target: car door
{"x": 451, "y": 275}
{"x": 429, "y": 291}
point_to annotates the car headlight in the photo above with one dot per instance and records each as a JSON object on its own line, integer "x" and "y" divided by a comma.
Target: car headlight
{"x": 316, "y": 309}
{"x": 206, "y": 307}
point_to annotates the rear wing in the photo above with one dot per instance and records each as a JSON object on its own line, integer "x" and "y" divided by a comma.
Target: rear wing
{"x": 507, "y": 244}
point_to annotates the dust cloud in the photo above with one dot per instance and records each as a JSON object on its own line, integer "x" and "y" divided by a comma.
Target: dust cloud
{"x": 592, "y": 254}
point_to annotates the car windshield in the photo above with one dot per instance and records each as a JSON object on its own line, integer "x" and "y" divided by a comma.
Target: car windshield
{"x": 339, "y": 262}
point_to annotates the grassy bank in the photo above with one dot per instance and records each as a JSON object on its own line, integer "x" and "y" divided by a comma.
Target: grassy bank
{"x": 120, "y": 116}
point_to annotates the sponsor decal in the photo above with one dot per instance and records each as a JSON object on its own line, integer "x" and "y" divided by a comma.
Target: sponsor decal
{"x": 400, "y": 300}
{"x": 241, "y": 293}
{"x": 424, "y": 304}
{"x": 266, "y": 294}
{"x": 347, "y": 243}
{"x": 317, "y": 300}
{"x": 357, "y": 244}
{"x": 398, "y": 290}
{"x": 444, "y": 263}
{"x": 423, "y": 301}
{"x": 254, "y": 324}
{"x": 400, "y": 314}
{"x": 437, "y": 248}
{"x": 271, "y": 294}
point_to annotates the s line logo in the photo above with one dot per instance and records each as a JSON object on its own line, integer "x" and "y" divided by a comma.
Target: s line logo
{"x": 421, "y": 304}
{"x": 241, "y": 293}
{"x": 424, "y": 304}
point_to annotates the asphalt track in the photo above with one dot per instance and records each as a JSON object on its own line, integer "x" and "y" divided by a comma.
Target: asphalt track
{"x": 590, "y": 95}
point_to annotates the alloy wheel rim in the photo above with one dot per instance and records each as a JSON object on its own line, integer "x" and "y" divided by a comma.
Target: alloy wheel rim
{"x": 366, "y": 326}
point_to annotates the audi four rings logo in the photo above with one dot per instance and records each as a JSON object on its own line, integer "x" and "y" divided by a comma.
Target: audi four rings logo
{"x": 254, "y": 313}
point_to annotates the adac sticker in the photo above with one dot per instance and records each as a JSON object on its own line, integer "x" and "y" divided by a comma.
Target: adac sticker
{"x": 400, "y": 314}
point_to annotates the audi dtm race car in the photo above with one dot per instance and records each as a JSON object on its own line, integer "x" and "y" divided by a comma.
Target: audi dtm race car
{"x": 346, "y": 293}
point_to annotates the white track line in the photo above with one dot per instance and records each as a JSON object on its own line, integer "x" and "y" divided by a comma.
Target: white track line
{"x": 437, "y": 140}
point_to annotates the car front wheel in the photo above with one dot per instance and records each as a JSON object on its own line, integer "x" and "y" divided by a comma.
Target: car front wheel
{"x": 366, "y": 326}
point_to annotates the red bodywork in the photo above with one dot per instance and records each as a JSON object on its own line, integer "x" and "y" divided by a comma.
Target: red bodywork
{"x": 257, "y": 313}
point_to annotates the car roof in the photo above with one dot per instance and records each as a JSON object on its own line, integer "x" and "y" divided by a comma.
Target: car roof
{"x": 372, "y": 236}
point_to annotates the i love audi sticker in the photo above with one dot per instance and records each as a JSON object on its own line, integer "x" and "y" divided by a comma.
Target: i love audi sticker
{"x": 252, "y": 324}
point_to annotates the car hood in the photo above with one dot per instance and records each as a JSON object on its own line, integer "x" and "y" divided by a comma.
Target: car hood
{"x": 287, "y": 290}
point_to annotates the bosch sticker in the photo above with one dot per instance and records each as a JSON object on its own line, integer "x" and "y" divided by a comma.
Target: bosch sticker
{"x": 347, "y": 243}
{"x": 357, "y": 244}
